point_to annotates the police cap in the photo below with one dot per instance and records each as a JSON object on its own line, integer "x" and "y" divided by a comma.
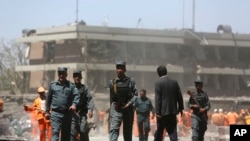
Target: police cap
{"x": 198, "y": 82}
{"x": 120, "y": 63}
{"x": 77, "y": 72}
{"x": 62, "y": 69}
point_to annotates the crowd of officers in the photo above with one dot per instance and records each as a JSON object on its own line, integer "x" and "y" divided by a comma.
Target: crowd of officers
{"x": 62, "y": 111}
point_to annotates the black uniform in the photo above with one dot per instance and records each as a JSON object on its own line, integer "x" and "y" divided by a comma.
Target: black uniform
{"x": 86, "y": 104}
{"x": 122, "y": 92}
{"x": 79, "y": 121}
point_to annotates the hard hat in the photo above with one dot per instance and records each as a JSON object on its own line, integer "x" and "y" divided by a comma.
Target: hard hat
{"x": 220, "y": 110}
{"x": 215, "y": 110}
{"x": 40, "y": 90}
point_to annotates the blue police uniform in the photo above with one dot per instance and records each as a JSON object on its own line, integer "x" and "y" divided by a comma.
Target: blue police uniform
{"x": 122, "y": 92}
{"x": 143, "y": 107}
{"x": 199, "y": 120}
{"x": 79, "y": 121}
{"x": 60, "y": 98}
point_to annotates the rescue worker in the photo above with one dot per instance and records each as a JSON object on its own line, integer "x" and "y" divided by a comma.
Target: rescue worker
{"x": 199, "y": 102}
{"x": 215, "y": 118}
{"x": 62, "y": 99}
{"x": 143, "y": 106}
{"x": 231, "y": 117}
{"x": 186, "y": 118}
{"x": 123, "y": 92}
{"x": 221, "y": 117}
{"x": 242, "y": 117}
{"x": 84, "y": 110}
{"x": 4, "y": 121}
{"x": 38, "y": 107}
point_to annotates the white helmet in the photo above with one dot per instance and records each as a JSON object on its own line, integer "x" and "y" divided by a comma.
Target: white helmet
{"x": 215, "y": 110}
{"x": 220, "y": 110}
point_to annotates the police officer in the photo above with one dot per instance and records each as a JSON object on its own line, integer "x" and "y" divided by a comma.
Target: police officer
{"x": 123, "y": 92}
{"x": 200, "y": 104}
{"x": 62, "y": 100}
{"x": 143, "y": 106}
{"x": 84, "y": 110}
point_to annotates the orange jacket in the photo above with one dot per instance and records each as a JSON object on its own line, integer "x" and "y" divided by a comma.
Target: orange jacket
{"x": 232, "y": 117}
{"x": 37, "y": 109}
{"x": 215, "y": 119}
{"x": 187, "y": 119}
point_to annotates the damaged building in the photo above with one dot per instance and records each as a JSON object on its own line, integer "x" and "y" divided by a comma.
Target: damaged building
{"x": 221, "y": 59}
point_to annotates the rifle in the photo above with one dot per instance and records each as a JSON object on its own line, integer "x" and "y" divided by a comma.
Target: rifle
{"x": 196, "y": 102}
{"x": 91, "y": 125}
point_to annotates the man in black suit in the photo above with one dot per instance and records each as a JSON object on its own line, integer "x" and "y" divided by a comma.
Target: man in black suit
{"x": 167, "y": 96}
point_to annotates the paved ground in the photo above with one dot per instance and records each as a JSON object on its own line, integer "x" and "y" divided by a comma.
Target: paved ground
{"x": 212, "y": 134}
{"x": 209, "y": 137}
{"x": 105, "y": 138}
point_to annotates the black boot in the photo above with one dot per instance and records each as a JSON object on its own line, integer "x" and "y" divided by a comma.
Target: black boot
{"x": 201, "y": 138}
{"x": 194, "y": 138}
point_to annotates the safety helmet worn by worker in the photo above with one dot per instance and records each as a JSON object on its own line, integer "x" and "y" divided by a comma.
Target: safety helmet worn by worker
{"x": 40, "y": 90}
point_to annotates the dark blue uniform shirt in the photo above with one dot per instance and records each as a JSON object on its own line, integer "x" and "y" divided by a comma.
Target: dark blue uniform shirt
{"x": 62, "y": 96}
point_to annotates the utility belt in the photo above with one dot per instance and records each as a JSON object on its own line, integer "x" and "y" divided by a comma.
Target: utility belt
{"x": 142, "y": 113}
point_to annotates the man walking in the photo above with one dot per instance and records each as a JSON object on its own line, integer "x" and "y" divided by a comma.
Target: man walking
{"x": 62, "y": 99}
{"x": 38, "y": 107}
{"x": 167, "y": 96}
{"x": 200, "y": 104}
{"x": 143, "y": 106}
{"x": 83, "y": 110}
{"x": 123, "y": 92}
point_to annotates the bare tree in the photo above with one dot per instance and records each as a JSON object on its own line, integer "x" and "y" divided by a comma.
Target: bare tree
{"x": 11, "y": 55}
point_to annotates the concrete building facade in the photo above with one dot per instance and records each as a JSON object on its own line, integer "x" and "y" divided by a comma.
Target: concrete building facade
{"x": 220, "y": 59}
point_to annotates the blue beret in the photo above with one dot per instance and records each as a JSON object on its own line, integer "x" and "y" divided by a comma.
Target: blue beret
{"x": 120, "y": 63}
{"x": 62, "y": 69}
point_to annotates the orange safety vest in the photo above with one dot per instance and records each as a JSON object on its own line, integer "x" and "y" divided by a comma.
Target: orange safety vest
{"x": 232, "y": 117}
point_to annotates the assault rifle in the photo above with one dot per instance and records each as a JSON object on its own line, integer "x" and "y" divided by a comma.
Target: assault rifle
{"x": 91, "y": 125}
{"x": 191, "y": 94}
